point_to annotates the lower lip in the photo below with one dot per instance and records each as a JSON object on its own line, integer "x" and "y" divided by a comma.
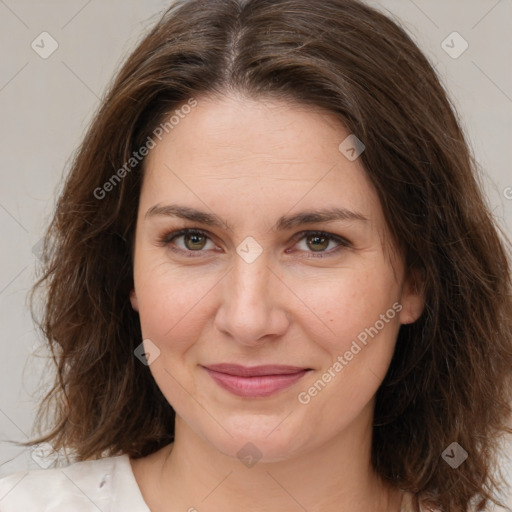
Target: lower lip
{"x": 255, "y": 387}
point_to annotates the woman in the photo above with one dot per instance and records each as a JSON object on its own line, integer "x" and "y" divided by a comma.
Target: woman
{"x": 272, "y": 282}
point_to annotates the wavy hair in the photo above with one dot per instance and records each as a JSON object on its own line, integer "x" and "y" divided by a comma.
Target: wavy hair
{"x": 450, "y": 378}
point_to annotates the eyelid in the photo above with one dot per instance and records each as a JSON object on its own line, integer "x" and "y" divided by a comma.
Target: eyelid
{"x": 341, "y": 240}
{"x": 169, "y": 236}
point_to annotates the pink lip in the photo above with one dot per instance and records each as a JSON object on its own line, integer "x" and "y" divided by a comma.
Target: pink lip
{"x": 255, "y": 381}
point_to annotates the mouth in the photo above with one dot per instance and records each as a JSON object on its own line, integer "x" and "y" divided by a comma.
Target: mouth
{"x": 255, "y": 381}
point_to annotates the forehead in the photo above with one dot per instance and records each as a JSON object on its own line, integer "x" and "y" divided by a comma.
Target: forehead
{"x": 243, "y": 127}
{"x": 236, "y": 145}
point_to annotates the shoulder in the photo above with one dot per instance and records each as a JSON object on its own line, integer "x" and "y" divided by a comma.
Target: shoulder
{"x": 86, "y": 485}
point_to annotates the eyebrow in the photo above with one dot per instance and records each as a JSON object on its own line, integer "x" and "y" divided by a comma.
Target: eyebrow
{"x": 285, "y": 222}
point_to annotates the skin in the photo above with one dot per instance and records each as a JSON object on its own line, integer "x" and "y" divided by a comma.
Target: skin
{"x": 250, "y": 162}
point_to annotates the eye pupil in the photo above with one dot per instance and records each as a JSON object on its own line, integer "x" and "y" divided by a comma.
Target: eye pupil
{"x": 324, "y": 242}
{"x": 198, "y": 241}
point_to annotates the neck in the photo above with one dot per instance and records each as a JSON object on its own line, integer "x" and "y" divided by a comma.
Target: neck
{"x": 191, "y": 475}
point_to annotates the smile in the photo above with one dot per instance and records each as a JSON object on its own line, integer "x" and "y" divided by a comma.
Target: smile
{"x": 255, "y": 382}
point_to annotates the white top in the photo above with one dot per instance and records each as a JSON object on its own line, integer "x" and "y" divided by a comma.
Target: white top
{"x": 106, "y": 485}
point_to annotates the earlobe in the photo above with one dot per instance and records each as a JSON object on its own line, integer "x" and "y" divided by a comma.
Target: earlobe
{"x": 133, "y": 300}
{"x": 413, "y": 298}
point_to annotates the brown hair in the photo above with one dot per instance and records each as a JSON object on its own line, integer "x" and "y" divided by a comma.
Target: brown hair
{"x": 450, "y": 377}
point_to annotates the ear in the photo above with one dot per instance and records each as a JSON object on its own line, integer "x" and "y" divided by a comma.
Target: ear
{"x": 413, "y": 297}
{"x": 133, "y": 300}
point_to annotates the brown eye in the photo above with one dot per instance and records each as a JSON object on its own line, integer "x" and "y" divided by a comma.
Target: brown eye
{"x": 194, "y": 241}
{"x": 317, "y": 242}
{"x": 188, "y": 241}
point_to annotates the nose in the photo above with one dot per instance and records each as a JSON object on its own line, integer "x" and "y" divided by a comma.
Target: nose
{"x": 252, "y": 309}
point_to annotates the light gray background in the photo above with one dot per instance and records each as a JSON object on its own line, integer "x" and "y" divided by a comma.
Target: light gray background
{"x": 46, "y": 104}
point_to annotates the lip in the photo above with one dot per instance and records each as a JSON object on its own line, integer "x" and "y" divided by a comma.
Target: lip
{"x": 255, "y": 381}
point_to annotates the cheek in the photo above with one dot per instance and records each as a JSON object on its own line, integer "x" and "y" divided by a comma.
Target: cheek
{"x": 346, "y": 307}
{"x": 361, "y": 312}
{"x": 171, "y": 304}
{"x": 172, "y": 312}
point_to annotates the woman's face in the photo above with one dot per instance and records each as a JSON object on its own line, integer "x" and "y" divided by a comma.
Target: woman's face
{"x": 258, "y": 285}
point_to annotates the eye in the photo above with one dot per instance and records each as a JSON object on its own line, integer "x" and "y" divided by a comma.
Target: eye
{"x": 317, "y": 244}
{"x": 192, "y": 240}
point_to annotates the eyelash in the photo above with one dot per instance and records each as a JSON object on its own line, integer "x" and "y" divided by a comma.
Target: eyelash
{"x": 166, "y": 240}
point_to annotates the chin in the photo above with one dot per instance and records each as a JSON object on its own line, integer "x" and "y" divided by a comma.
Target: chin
{"x": 258, "y": 438}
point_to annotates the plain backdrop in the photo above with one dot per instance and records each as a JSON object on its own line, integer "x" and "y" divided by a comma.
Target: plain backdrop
{"x": 47, "y": 103}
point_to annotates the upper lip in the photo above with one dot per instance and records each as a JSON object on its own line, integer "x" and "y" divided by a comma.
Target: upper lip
{"x": 254, "y": 371}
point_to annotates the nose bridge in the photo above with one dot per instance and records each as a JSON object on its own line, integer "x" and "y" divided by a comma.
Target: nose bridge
{"x": 250, "y": 283}
{"x": 250, "y": 311}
